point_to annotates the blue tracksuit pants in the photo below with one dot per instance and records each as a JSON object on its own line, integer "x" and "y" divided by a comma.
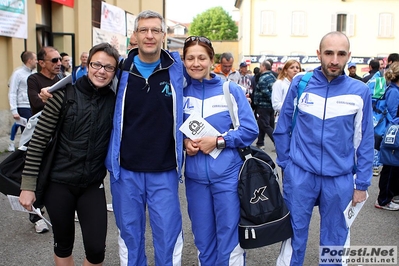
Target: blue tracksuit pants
{"x": 214, "y": 211}
{"x": 301, "y": 191}
{"x": 158, "y": 191}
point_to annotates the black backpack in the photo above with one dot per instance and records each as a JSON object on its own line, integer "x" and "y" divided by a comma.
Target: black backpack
{"x": 264, "y": 217}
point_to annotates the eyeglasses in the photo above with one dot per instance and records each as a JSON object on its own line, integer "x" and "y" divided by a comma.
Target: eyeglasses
{"x": 154, "y": 31}
{"x": 54, "y": 60}
{"x": 98, "y": 66}
{"x": 198, "y": 38}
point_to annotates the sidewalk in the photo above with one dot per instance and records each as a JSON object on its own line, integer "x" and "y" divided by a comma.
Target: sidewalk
{"x": 5, "y": 140}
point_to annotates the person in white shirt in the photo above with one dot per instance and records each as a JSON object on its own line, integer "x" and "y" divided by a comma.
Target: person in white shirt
{"x": 280, "y": 87}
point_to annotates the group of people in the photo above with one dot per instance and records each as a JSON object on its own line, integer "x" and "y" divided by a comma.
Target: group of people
{"x": 159, "y": 90}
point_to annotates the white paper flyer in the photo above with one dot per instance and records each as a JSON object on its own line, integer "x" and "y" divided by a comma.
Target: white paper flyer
{"x": 196, "y": 127}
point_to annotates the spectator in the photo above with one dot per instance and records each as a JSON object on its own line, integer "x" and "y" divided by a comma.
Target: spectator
{"x": 78, "y": 171}
{"x": 318, "y": 160}
{"x": 352, "y": 71}
{"x": 225, "y": 69}
{"x": 50, "y": 62}
{"x": 275, "y": 74}
{"x": 18, "y": 93}
{"x": 389, "y": 176}
{"x": 211, "y": 189}
{"x": 280, "y": 87}
{"x": 144, "y": 165}
{"x": 263, "y": 103}
{"x": 245, "y": 79}
{"x": 65, "y": 65}
{"x": 80, "y": 70}
{"x": 374, "y": 67}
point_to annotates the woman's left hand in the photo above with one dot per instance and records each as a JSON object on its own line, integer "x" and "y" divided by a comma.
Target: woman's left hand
{"x": 207, "y": 144}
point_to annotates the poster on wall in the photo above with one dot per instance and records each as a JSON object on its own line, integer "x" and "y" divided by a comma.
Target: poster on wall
{"x": 116, "y": 40}
{"x": 65, "y": 2}
{"x": 13, "y": 19}
{"x": 130, "y": 19}
{"x": 113, "y": 19}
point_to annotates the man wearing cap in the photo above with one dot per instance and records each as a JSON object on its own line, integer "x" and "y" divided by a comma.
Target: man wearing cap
{"x": 245, "y": 79}
{"x": 352, "y": 71}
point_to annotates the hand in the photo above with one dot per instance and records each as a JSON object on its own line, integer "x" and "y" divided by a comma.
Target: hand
{"x": 358, "y": 196}
{"x": 191, "y": 147}
{"x": 27, "y": 198}
{"x": 44, "y": 94}
{"x": 16, "y": 116}
{"x": 207, "y": 144}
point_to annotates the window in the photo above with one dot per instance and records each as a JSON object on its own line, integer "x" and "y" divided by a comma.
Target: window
{"x": 268, "y": 26}
{"x": 385, "y": 25}
{"x": 344, "y": 23}
{"x": 298, "y": 24}
{"x": 96, "y": 13}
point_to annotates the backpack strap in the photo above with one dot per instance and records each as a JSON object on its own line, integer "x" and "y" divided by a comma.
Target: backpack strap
{"x": 303, "y": 83}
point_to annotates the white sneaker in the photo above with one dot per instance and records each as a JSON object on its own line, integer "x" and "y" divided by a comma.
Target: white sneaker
{"x": 389, "y": 207}
{"x": 395, "y": 199}
{"x": 376, "y": 171}
{"x": 41, "y": 226}
{"x": 110, "y": 208}
{"x": 11, "y": 147}
{"x": 76, "y": 217}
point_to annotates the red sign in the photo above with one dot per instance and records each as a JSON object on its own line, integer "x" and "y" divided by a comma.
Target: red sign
{"x": 64, "y": 2}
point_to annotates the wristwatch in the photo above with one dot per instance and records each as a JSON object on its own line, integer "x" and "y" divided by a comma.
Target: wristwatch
{"x": 220, "y": 142}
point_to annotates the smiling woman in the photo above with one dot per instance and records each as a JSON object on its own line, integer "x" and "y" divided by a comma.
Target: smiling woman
{"x": 78, "y": 170}
{"x": 211, "y": 181}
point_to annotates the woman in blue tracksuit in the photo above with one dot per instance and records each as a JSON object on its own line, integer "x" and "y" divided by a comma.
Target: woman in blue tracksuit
{"x": 211, "y": 184}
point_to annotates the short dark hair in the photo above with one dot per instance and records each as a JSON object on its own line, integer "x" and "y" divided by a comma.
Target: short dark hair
{"x": 256, "y": 70}
{"x": 394, "y": 57}
{"x": 106, "y": 48}
{"x": 25, "y": 56}
{"x": 375, "y": 64}
{"x": 226, "y": 56}
{"x": 43, "y": 52}
{"x": 270, "y": 61}
{"x": 63, "y": 54}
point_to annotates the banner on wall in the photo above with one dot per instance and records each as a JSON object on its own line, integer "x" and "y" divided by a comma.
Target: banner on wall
{"x": 13, "y": 19}
{"x": 130, "y": 19}
{"x": 116, "y": 40}
{"x": 303, "y": 59}
{"x": 113, "y": 19}
{"x": 65, "y": 2}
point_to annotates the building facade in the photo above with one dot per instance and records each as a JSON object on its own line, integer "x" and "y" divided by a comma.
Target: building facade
{"x": 285, "y": 28}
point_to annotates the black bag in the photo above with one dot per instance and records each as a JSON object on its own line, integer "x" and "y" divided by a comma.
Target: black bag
{"x": 11, "y": 168}
{"x": 264, "y": 217}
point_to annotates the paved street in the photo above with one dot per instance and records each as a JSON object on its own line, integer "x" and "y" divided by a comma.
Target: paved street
{"x": 20, "y": 245}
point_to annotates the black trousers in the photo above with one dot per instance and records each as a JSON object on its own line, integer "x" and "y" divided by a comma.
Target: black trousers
{"x": 388, "y": 184}
{"x": 265, "y": 124}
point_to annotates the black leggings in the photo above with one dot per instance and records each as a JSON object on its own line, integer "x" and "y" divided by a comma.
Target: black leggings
{"x": 61, "y": 201}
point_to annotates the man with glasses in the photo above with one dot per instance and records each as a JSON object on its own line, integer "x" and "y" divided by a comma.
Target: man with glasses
{"x": 49, "y": 61}
{"x": 146, "y": 152}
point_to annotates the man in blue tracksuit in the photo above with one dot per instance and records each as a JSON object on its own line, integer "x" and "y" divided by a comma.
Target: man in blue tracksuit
{"x": 146, "y": 150}
{"x": 332, "y": 140}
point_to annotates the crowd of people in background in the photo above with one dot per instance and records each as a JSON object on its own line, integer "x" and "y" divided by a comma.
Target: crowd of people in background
{"x": 142, "y": 181}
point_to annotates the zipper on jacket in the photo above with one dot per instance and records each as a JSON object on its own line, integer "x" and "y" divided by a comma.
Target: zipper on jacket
{"x": 202, "y": 115}
{"x": 322, "y": 130}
